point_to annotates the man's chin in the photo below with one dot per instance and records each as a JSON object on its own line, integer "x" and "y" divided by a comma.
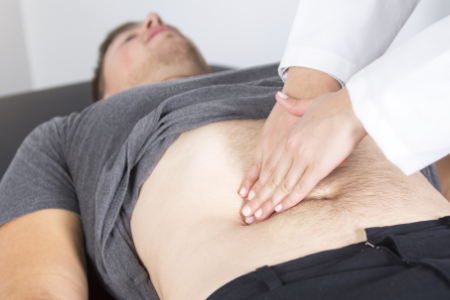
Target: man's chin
{"x": 173, "y": 48}
{"x": 172, "y": 57}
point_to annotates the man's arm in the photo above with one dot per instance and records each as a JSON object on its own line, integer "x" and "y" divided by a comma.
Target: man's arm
{"x": 42, "y": 257}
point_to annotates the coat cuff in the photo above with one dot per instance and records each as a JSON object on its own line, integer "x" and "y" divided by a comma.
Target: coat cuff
{"x": 317, "y": 59}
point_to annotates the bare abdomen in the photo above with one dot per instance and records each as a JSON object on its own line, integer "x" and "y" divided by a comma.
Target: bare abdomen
{"x": 190, "y": 235}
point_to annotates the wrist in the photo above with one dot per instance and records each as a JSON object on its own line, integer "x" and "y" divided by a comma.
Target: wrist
{"x": 343, "y": 99}
{"x": 305, "y": 83}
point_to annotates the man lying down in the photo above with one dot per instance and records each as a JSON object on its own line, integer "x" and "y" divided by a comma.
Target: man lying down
{"x": 147, "y": 181}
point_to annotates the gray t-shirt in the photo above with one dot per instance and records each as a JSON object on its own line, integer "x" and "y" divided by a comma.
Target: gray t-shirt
{"x": 93, "y": 163}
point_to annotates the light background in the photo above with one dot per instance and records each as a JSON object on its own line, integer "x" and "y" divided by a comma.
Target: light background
{"x": 47, "y": 43}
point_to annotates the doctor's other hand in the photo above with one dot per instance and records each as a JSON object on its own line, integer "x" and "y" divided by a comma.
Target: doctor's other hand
{"x": 276, "y": 127}
{"x": 319, "y": 142}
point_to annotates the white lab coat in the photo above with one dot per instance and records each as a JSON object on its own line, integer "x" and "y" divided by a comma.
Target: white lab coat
{"x": 402, "y": 98}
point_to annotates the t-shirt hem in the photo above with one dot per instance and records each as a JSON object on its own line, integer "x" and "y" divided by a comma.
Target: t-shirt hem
{"x": 22, "y": 210}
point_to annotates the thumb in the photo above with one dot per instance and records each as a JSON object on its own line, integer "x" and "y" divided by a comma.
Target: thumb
{"x": 342, "y": 163}
{"x": 293, "y": 106}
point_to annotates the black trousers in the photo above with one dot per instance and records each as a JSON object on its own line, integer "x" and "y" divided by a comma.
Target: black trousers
{"x": 410, "y": 261}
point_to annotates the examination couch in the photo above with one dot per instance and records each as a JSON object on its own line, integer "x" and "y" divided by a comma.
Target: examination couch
{"x": 20, "y": 114}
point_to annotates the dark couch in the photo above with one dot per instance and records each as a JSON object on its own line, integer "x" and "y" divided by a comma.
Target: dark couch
{"x": 20, "y": 114}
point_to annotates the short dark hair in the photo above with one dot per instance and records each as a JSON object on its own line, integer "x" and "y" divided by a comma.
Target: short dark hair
{"x": 98, "y": 82}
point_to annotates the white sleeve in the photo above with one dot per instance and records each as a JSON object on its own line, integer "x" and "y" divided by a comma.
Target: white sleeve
{"x": 342, "y": 37}
{"x": 403, "y": 99}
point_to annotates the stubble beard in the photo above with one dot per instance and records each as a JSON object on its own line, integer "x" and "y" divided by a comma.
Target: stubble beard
{"x": 175, "y": 55}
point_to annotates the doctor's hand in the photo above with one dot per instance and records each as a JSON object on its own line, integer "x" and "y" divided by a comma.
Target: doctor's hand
{"x": 276, "y": 127}
{"x": 318, "y": 143}
{"x": 302, "y": 83}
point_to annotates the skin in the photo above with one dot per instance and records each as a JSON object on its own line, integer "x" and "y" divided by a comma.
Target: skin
{"x": 131, "y": 60}
{"x": 52, "y": 265}
{"x": 318, "y": 143}
{"x": 54, "y": 268}
{"x": 190, "y": 237}
{"x": 272, "y": 140}
{"x": 43, "y": 266}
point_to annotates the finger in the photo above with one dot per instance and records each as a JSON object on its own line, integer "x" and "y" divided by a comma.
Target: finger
{"x": 249, "y": 220}
{"x": 285, "y": 188}
{"x": 262, "y": 204}
{"x": 293, "y": 106}
{"x": 269, "y": 167}
{"x": 252, "y": 174}
{"x": 342, "y": 163}
{"x": 308, "y": 181}
{"x": 255, "y": 200}
{"x": 266, "y": 171}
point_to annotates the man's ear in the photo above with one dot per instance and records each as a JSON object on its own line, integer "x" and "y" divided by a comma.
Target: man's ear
{"x": 107, "y": 93}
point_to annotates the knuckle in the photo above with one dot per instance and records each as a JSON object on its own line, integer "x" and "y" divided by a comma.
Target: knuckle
{"x": 284, "y": 187}
{"x": 300, "y": 188}
{"x": 269, "y": 167}
{"x": 289, "y": 145}
{"x": 273, "y": 183}
{"x": 257, "y": 165}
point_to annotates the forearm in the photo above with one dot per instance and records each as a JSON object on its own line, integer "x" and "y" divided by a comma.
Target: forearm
{"x": 43, "y": 285}
{"x": 42, "y": 257}
{"x": 402, "y": 99}
{"x": 342, "y": 37}
{"x": 40, "y": 289}
{"x": 304, "y": 83}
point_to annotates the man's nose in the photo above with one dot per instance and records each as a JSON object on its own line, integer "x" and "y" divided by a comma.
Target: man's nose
{"x": 152, "y": 20}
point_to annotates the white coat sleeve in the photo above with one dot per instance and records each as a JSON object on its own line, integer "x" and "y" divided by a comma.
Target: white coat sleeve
{"x": 342, "y": 37}
{"x": 403, "y": 99}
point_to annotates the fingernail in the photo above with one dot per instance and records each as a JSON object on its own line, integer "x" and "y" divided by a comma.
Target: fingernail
{"x": 242, "y": 192}
{"x": 278, "y": 207}
{"x": 251, "y": 195}
{"x": 284, "y": 96}
{"x": 246, "y": 211}
{"x": 258, "y": 213}
{"x": 249, "y": 220}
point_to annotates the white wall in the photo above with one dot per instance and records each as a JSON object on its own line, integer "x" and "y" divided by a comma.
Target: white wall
{"x": 62, "y": 37}
{"x": 14, "y": 71}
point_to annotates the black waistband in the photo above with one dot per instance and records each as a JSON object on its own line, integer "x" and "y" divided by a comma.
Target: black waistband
{"x": 425, "y": 245}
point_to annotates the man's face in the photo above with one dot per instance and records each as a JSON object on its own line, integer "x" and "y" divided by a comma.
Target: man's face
{"x": 150, "y": 52}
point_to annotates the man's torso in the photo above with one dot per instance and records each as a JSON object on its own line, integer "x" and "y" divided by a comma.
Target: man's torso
{"x": 191, "y": 238}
